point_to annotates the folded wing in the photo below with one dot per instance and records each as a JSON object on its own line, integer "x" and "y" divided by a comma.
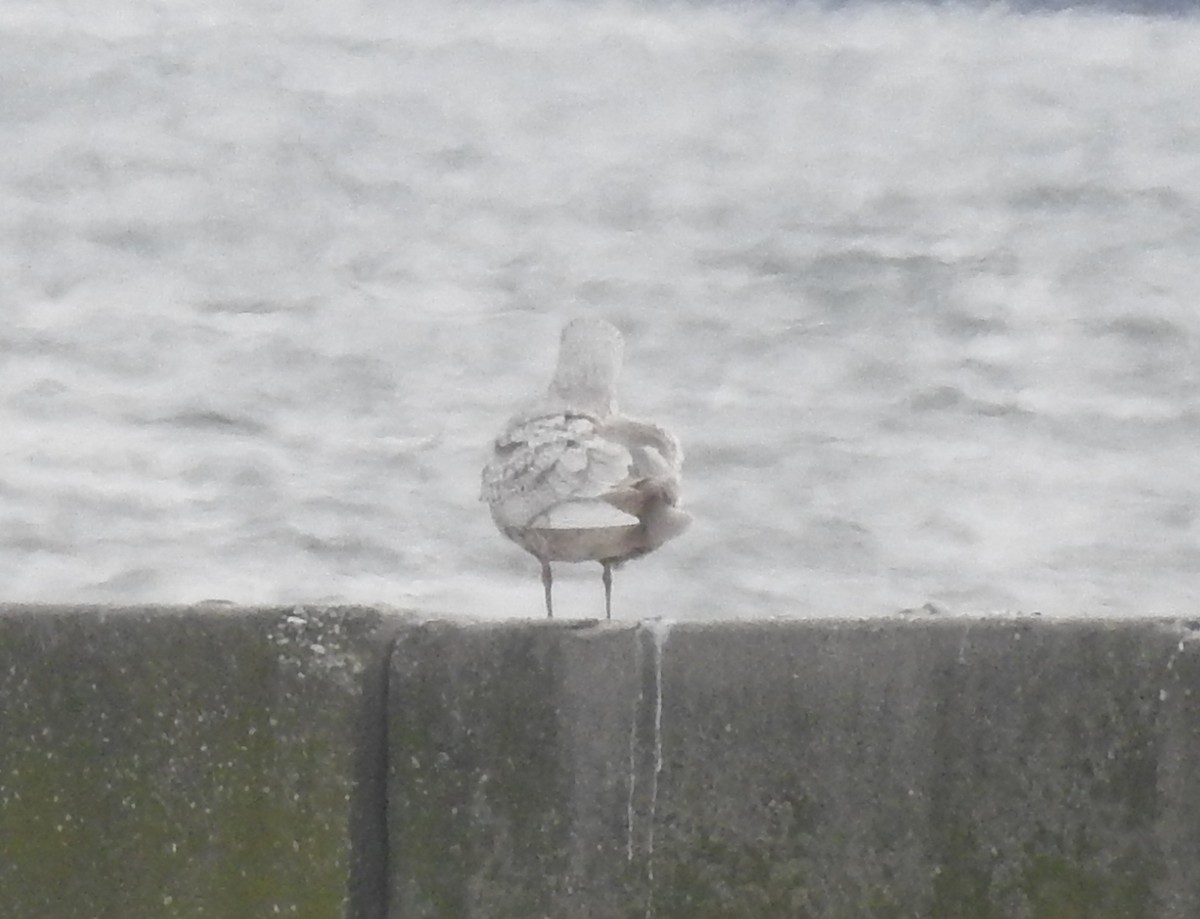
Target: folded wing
{"x": 555, "y": 470}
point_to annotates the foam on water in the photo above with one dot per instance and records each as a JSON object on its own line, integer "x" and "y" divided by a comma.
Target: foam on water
{"x": 915, "y": 285}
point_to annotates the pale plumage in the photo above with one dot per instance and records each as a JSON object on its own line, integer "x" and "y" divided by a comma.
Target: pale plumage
{"x": 572, "y": 480}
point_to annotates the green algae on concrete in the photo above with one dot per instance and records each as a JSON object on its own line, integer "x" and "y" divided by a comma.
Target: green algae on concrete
{"x": 191, "y": 762}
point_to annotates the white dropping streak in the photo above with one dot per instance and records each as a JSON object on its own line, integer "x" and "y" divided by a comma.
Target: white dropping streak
{"x": 660, "y": 629}
{"x": 633, "y": 724}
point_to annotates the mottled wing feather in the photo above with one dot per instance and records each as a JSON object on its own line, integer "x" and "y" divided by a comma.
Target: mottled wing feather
{"x": 545, "y": 460}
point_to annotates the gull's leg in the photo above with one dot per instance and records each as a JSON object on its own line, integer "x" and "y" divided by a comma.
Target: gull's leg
{"x": 607, "y": 578}
{"x": 547, "y": 579}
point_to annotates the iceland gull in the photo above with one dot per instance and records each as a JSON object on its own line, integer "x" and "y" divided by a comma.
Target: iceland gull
{"x": 571, "y": 479}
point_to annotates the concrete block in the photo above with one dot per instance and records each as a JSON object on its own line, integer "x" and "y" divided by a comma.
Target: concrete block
{"x": 199, "y": 762}
{"x": 877, "y": 769}
{"x": 510, "y": 770}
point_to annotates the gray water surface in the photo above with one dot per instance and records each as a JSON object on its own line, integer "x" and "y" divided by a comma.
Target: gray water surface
{"x": 917, "y": 287}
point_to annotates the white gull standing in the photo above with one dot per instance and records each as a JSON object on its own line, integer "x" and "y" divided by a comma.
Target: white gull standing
{"x": 573, "y": 480}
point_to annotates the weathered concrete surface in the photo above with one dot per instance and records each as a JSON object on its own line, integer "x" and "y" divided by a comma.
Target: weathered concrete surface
{"x": 941, "y": 769}
{"x": 192, "y": 762}
{"x": 510, "y": 767}
{"x": 208, "y": 762}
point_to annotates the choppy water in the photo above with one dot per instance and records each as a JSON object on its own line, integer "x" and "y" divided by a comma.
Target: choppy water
{"x": 917, "y": 287}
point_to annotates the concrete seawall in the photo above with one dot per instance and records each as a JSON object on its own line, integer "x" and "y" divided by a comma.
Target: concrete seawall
{"x": 361, "y": 763}
{"x": 180, "y": 763}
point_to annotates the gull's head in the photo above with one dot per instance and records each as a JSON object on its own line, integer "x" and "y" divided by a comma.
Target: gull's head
{"x": 589, "y": 360}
